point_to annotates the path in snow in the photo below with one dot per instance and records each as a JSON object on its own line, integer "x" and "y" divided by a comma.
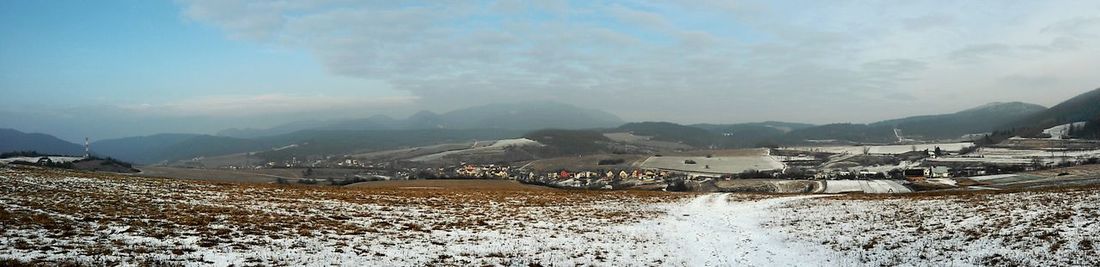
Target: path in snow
{"x": 711, "y": 231}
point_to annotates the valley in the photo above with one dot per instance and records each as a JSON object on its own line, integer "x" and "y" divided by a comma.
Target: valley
{"x": 228, "y": 133}
{"x": 491, "y": 222}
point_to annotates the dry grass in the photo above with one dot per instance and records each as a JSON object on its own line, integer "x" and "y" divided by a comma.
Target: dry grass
{"x": 40, "y": 207}
{"x": 222, "y": 175}
{"x": 1091, "y": 170}
{"x": 451, "y": 185}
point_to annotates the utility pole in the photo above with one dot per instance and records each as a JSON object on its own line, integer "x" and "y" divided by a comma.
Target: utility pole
{"x": 87, "y": 151}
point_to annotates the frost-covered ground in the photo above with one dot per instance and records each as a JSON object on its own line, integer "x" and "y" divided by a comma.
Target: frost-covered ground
{"x": 57, "y": 159}
{"x": 1032, "y": 228}
{"x": 96, "y": 219}
{"x": 865, "y": 186}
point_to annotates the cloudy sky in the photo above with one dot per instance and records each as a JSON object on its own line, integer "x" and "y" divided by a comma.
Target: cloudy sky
{"x": 201, "y": 65}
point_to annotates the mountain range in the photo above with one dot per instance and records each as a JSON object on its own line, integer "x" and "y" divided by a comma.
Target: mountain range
{"x": 579, "y": 127}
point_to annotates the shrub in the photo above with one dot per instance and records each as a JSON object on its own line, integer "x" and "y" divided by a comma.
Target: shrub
{"x": 611, "y": 161}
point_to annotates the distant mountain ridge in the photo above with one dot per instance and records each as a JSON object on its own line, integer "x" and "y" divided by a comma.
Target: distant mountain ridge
{"x": 738, "y": 127}
{"x": 981, "y": 119}
{"x": 513, "y": 116}
{"x": 1083, "y": 107}
{"x": 170, "y": 147}
{"x": 667, "y": 131}
{"x": 14, "y": 140}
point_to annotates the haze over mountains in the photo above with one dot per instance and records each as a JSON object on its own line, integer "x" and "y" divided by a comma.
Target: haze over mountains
{"x": 514, "y": 116}
{"x": 581, "y": 128}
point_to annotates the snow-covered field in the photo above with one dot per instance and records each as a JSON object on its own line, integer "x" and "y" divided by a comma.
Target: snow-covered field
{"x": 57, "y": 217}
{"x": 57, "y": 159}
{"x": 865, "y": 186}
{"x": 1041, "y": 228}
{"x": 1057, "y": 132}
{"x": 716, "y": 164}
{"x": 496, "y": 146}
{"x": 1021, "y": 156}
{"x": 890, "y": 149}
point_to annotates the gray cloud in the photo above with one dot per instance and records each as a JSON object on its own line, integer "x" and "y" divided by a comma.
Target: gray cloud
{"x": 979, "y": 52}
{"x": 926, "y": 22}
{"x": 1079, "y": 26}
{"x": 1031, "y": 81}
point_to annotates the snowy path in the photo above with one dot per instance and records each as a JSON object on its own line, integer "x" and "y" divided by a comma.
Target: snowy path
{"x": 711, "y": 231}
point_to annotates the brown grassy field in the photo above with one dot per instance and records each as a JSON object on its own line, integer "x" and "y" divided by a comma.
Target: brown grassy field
{"x": 457, "y": 184}
{"x": 56, "y": 216}
{"x": 221, "y": 175}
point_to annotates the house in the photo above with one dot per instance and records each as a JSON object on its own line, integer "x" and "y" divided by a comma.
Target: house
{"x": 44, "y": 161}
{"x": 940, "y": 172}
{"x": 915, "y": 174}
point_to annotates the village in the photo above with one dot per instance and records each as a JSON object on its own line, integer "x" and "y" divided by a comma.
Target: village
{"x": 905, "y": 166}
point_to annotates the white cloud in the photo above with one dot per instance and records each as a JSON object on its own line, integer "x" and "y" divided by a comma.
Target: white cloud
{"x": 689, "y": 61}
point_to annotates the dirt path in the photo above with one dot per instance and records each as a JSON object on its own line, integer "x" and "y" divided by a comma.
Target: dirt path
{"x": 711, "y": 231}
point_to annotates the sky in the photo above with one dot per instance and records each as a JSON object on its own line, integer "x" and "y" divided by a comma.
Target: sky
{"x": 129, "y": 67}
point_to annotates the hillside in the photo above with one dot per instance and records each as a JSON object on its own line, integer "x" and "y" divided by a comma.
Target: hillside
{"x": 671, "y": 132}
{"x": 171, "y": 147}
{"x": 570, "y": 142}
{"x": 982, "y": 119}
{"x": 13, "y": 140}
{"x": 858, "y": 133}
{"x": 782, "y": 127}
{"x": 512, "y": 116}
{"x": 1084, "y": 107}
{"x": 755, "y": 134}
{"x": 334, "y": 142}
